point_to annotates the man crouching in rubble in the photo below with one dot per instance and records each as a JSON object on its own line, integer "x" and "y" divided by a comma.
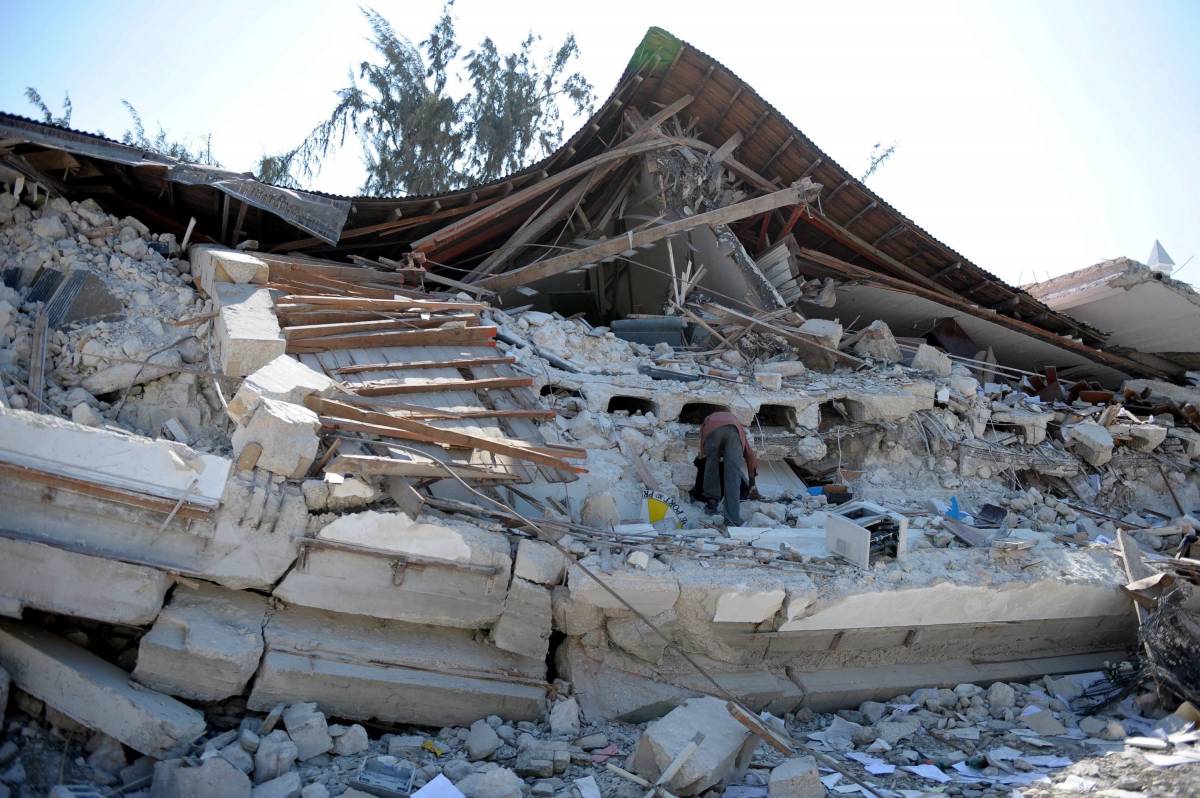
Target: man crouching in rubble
{"x": 726, "y": 464}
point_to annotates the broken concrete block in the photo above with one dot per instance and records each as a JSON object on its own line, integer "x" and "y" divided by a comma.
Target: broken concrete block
{"x": 238, "y": 756}
{"x": 650, "y": 591}
{"x": 539, "y": 562}
{"x": 275, "y": 756}
{"x": 120, "y": 376}
{"x": 564, "y": 718}
{"x": 287, "y": 434}
{"x": 525, "y": 623}
{"x": 725, "y": 751}
{"x": 352, "y": 740}
{"x": 56, "y": 580}
{"x": 215, "y": 778}
{"x": 366, "y": 668}
{"x": 284, "y": 379}
{"x": 1146, "y": 437}
{"x": 634, "y": 637}
{"x": 247, "y": 332}
{"x": 771, "y": 380}
{"x": 1044, "y": 723}
{"x": 94, "y": 692}
{"x": 213, "y": 264}
{"x": 1031, "y": 425}
{"x": 600, "y": 511}
{"x": 482, "y": 741}
{"x": 828, "y": 333}
{"x": 205, "y": 645}
{"x": 797, "y": 777}
{"x": 748, "y": 607}
{"x": 1090, "y": 441}
{"x": 877, "y": 343}
{"x": 308, "y": 729}
{"x": 496, "y": 783}
{"x": 932, "y": 360}
{"x": 435, "y": 593}
{"x": 285, "y": 786}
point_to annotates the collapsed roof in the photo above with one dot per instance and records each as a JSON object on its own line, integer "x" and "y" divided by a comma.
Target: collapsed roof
{"x": 848, "y": 230}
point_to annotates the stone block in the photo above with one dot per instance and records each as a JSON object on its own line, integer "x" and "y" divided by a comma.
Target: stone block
{"x": 754, "y": 606}
{"x": 494, "y": 783}
{"x": 247, "y": 332}
{"x": 725, "y": 751}
{"x": 94, "y": 692}
{"x": 214, "y": 264}
{"x": 275, "y": 756}
{"x": 797, "y": 777}
{"x": 206, "y": 644}
{"x": 524, "y": 625}
{"x": 877, "y": 343}
{"x": 1090, "y": 441}
{"x": 564, "y": 718}
{"x": 215, "y": 778}
{"x": 56, "y": 580}
{"x": 828, "y": 333}
{"x": 650, "y": 591}
{"x": 932, "y": 360}
{"x": 308, "y": 729}
{"x": 352, "y": 740}
{"x": 360, "y": 668}
{"x": 365, "y": 584}
{"x": 285, "y": 786}
{"x": 284, "y": 379}
{"x": 287, "y": 434}
{"x": 539, "y": 562}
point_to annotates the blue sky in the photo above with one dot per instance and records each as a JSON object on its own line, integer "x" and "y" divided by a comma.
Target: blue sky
{"x": 1033, "y": 137}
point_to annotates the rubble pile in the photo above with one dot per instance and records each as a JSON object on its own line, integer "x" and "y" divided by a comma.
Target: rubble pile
{"x": 435, "y": 525}
{"x": 113, "y": 323}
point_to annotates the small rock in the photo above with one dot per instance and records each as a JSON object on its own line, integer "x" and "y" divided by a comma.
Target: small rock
{"x": 215, "y": 778}
{"x": 872, "y": 711}
{"x": 315, "y": 791}
{"x": 457, "y": 769}
{"x": 275, "y": 756}
{"x": 353, "y": 741}
{"x": 497, "y": 783}
{"x": 285, "y": 786}
{"x": 482, "y": 741}
{"x": 797, "y": 777}
{"x": 308, "y": 729}
{"x": 1001, "y": 696}
{"x": 592, "y": 741}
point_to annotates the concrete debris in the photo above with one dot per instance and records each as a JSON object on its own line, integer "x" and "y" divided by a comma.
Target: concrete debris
{"x": 94, "y": 692}
{"x": 205, "y": 645}
{"x": 724, "y": 751}
{"x": 230, "y": 480}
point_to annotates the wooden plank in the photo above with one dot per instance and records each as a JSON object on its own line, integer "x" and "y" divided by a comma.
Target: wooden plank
{"x": 497, "y": 209}
{"x": 73, "y": 485}
{"x": 430, "y": 434}
{"x": 642, "y": 238}
{"x": 1135, "y": 567}
{"x": 802, "y": 341}
{"x": 280, "y": 267}
{"x": 476, "y": 336}
{"x": 460, "y": 363}
{"x": 308, "y": 331}
{"x": 398, "y": 388}
{"x": 386, "y": 305}
{"x": 370, "y": 465}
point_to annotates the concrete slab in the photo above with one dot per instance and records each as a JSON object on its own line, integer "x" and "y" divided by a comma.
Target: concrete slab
{"x": 649, "y": 591}
{"x": 247, "y": 332}
{"x": 95, "y": 693}
{"x": 39, "y": 576}
{"x": 284, "y": 379}
{"x": 524, "y": 625}
{"x": 361, "y": 576}
{"x": 361, "y": 668}
{"x": 213, "y": 264}
{"x": 205, "y": 645}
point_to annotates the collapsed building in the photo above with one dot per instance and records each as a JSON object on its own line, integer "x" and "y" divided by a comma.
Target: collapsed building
{"x": 272, "y": 456}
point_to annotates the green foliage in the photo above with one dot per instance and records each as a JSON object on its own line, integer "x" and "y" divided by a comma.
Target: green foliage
{"x": 162, "y": 144}
{"x": 48, "y": 116}
{"x": 879, "y": 156}
{"x": 417, "y": 137}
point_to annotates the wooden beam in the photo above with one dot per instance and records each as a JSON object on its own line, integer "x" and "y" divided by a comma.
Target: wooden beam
{"x": 310, "y": 331}
{"x": 953, "y": 267}
{"x": 367, "y": 465}
{"x": 473, "y": 336}
{"x": 726, "y": 149}
{"x": 619, "y": 244}
{"x": 434, "y": 386}
{"x": 775, "y": 155}
{"x": 488, "y": 215}
{"x": 382, "y": 305}
{"x": 426, "y": 364}
{"x": 18, "y": 473}
{"x": 869, "y": 207}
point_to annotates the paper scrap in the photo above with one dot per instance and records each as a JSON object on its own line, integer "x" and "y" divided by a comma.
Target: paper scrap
{"x": 931, "y": 772}
{"x": 439, "y": 787}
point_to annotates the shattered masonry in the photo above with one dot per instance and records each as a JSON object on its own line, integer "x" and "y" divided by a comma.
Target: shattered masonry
{"x": 262, "y": 506}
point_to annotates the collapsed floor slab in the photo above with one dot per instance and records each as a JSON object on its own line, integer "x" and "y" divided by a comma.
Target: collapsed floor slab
{"x": 205, "y": 645}
{"x": 39, "y": 576}
{"x": 388, "y": 566}
{"x": 95, "y": 693}
{"x": 362, "y": 668}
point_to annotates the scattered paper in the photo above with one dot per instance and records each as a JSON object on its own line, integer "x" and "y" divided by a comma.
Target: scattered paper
{"x": 880, "y": 768}
{"x": 830, "y": 780}
{"x": 1170, "y": 760}
{"x": 440, "y": 787}
{"x": 1150, "y": 743}
{"x": 931, "y": 772}
{"x": 1048, "y": 761}
{"x": 587, "y": 786}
